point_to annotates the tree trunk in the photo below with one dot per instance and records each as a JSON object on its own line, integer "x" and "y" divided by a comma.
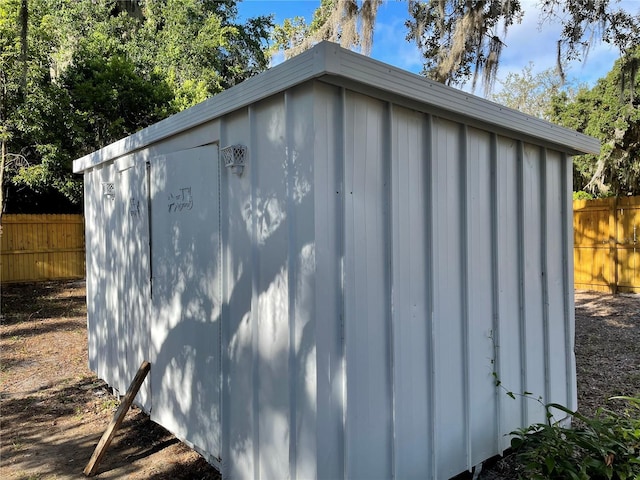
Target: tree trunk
{"x": 24, "y": 46}
{"x": 3, "y": 154}
{"x": 3, "y": 140}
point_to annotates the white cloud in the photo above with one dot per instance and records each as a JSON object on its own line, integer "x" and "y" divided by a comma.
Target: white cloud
{"x": 529, "y": 41}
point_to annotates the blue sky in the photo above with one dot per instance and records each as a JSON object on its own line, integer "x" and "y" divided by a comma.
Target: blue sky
{"x": 526, "y": 42}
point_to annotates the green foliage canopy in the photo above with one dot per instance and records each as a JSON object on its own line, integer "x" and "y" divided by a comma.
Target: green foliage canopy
{"x": 75, "y": 76}
{"x": 610, "y": 111}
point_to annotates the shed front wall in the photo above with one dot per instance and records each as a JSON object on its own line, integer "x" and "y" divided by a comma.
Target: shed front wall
{"x": 380, "y": 267}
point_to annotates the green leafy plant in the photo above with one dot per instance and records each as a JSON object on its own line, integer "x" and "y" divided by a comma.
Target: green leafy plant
{"x": 606, "y": 446}
{"x": 582, "y": 195}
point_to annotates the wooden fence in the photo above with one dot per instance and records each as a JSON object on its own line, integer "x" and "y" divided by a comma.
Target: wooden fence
{"x": 606, "y": 246}
{"x": 41, "y": 247}
{"x": 606, "y": 249}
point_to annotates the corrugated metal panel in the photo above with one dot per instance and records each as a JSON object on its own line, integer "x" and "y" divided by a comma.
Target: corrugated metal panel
{"x": 92, "y": 230}
{"x": 507, "y": 334}
{"x": 302, "y": 266}
{"x": 560, "y": 370}
{"x": 449, "y": 322}
{"x": 102, "y": 274}
{"x": 239, "y": 437}
{"x": 133, "y": 203}
{"x": 367, "y": 284}
{"x": 533, "y": 342}
{"x": 328, "y": 187}
{"x": 273, "y": 253}
{"x": 411, "y": 211}
{"x": 481, "y": 301}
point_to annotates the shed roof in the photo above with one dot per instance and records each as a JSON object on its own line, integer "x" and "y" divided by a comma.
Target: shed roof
{"x": 337, "y": 65}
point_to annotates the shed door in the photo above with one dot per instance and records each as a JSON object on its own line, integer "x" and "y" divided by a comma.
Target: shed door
{"x": 185, "y": 291}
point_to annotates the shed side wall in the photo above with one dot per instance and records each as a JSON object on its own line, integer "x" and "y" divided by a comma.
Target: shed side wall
{"x": 449, "y": 245}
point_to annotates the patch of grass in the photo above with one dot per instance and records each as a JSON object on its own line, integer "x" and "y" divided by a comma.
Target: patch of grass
{"x": 110, "y": 404}
{"x": 17, "y": 445}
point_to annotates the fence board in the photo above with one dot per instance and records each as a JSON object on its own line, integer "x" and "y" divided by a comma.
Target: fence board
{"x": 41, "y": 247}
{"x": 606, "y": 249}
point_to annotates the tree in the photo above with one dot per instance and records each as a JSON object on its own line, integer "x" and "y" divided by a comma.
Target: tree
{"x": 531, "y": 93}
{"x": 199, "y": 45}
{"x": 348, "y": 22}
{"x": 463, "y": 39}
{"x": 75, "y": 76}
{"x": 459, "y": 38}
{"x": 23, "y": 70}
{"x": 609, "y": 111}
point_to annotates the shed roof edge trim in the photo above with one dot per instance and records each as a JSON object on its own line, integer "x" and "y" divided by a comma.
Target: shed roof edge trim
{"x": 399, "y": 82}
{"x": 327, "y": 58}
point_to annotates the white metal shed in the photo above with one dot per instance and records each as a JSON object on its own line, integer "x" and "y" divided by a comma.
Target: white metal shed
{"x": 337, "y": 307}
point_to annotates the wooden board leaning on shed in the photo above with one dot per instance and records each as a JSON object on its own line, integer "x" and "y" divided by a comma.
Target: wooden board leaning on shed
{"x": 118, "y": 417}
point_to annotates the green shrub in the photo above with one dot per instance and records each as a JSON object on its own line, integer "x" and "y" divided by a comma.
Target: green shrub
{"x": 606, "y": 446}
{"x": 582, "y": 195}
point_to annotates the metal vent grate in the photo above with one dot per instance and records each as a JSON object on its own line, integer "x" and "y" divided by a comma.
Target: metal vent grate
{"x": 109, "y": 190}
{"x": 234, "y": 157}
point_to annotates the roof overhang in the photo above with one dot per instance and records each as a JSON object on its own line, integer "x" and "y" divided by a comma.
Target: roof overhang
{"x": 330, "y": 62}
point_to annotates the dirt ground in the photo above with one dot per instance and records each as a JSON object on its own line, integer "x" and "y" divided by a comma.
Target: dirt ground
{"x": 53, "y": 410}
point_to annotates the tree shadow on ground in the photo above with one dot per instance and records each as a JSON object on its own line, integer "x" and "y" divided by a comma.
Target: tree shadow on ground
{"x": 54, "y": 410}
{"x": 29, "y": 301}
{"x": 54, "y": 430}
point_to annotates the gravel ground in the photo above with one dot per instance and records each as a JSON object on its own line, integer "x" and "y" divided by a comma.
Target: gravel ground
{"x": 607, "y": 361}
